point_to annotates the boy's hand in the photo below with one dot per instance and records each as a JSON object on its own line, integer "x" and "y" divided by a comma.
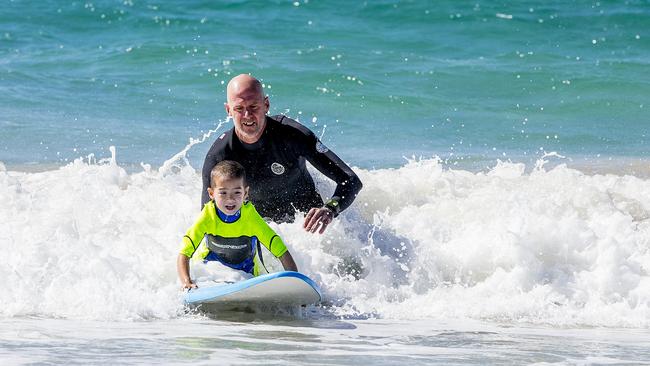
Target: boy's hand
{"x": 183, "y": 268}
{"x": 287, "y": 262}
{"x": 189, "y": 285}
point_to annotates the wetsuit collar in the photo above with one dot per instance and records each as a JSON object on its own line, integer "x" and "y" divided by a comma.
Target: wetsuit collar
{"x": 228, "y": 219}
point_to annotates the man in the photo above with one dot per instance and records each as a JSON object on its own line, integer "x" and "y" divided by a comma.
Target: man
{"x": 274, "y": 151}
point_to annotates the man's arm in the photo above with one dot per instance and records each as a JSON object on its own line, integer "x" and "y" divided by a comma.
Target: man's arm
{"x": 214, "y": 155}
{"x": 348, "y": 186}
{"x": 208, "y": 164}
{"x": 348, "y": 183}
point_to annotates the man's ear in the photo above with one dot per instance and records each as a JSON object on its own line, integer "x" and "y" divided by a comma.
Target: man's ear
{"x": 267, "y": 104}
{"x": 227, "y": 107}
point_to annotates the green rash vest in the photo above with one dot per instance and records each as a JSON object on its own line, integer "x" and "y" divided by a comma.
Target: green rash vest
{"x": 250, "y": 224}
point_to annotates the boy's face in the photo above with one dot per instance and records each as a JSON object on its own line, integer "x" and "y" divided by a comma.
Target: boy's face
{"x": 228, "y": 194}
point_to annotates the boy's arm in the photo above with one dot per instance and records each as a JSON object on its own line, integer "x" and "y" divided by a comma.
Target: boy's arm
{"x": 273, "y": 242}
{"x": 287, "y": 262}
{"x": 183, "y": 269}
{"x": 190, "y": 243}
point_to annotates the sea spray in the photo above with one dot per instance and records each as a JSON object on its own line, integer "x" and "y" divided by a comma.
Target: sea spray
{"x": 549, "y": 246}
{"x": 554, "y": 246}
{"x": 181, "y": 157}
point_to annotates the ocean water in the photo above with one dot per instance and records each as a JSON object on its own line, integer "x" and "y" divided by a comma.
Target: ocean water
{"x": 503, "y": 147}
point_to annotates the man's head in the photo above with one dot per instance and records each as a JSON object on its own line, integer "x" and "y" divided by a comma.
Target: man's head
{"x": 247, "y": 105}
{"x": 228, "y": 186}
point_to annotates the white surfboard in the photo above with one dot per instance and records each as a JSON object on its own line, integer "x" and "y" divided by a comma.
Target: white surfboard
{"x": 280, "y": 288}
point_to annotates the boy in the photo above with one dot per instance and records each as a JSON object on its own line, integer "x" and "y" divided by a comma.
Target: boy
{"x": 232, "y": 228}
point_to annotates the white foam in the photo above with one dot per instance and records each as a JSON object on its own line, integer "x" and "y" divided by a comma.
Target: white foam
{"x": 552, "y": 246}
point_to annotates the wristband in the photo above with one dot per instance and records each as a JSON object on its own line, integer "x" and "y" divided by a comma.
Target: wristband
{"x": 333, "y": 205}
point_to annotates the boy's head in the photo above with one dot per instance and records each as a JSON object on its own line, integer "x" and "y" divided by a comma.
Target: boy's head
{"x": 228, "y": 186}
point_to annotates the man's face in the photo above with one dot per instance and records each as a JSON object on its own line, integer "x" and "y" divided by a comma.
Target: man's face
{"x": 248, "y": 108}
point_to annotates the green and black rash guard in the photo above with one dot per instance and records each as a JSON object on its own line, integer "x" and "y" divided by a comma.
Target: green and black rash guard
{"x": 232, "y": 243}
{"x": 276, "y": 169}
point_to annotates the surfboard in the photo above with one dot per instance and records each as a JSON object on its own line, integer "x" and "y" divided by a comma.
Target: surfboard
{"x": 279, "y": 288}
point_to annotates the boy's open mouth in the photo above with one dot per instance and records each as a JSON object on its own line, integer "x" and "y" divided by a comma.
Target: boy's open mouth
{"x": 230, "y": 207}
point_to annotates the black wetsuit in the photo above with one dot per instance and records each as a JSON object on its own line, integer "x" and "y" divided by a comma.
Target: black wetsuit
{"x": 276, "y": 171}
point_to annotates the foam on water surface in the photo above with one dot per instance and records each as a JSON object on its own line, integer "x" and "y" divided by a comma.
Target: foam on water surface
{"x": 323, "y": 341}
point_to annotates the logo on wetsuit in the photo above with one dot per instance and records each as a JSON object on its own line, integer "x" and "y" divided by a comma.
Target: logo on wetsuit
{"x": 227, "y": 246}
{"x": 277, "y": 168}
{"x": 237, "y": 253}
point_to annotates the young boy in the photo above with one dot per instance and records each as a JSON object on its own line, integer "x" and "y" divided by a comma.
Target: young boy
{"x": 232, "y": 228}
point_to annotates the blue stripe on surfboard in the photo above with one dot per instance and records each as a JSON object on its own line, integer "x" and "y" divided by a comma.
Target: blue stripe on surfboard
{"x": 202, "y": 294}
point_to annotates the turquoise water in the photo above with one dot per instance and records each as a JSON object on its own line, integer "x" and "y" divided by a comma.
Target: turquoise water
{"x": 466, "y": 81}
{"x": 463, "y": 259}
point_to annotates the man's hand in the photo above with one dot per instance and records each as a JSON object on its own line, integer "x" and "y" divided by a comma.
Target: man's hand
{"x": 318, "y": 216}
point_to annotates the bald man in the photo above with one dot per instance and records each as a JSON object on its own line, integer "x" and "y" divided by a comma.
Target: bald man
{"x": 274, "y": 151}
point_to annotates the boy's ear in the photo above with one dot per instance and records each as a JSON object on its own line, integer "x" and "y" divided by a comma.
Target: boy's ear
{"x": 211, "y": 192}
{"x": 246, "y": 193}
